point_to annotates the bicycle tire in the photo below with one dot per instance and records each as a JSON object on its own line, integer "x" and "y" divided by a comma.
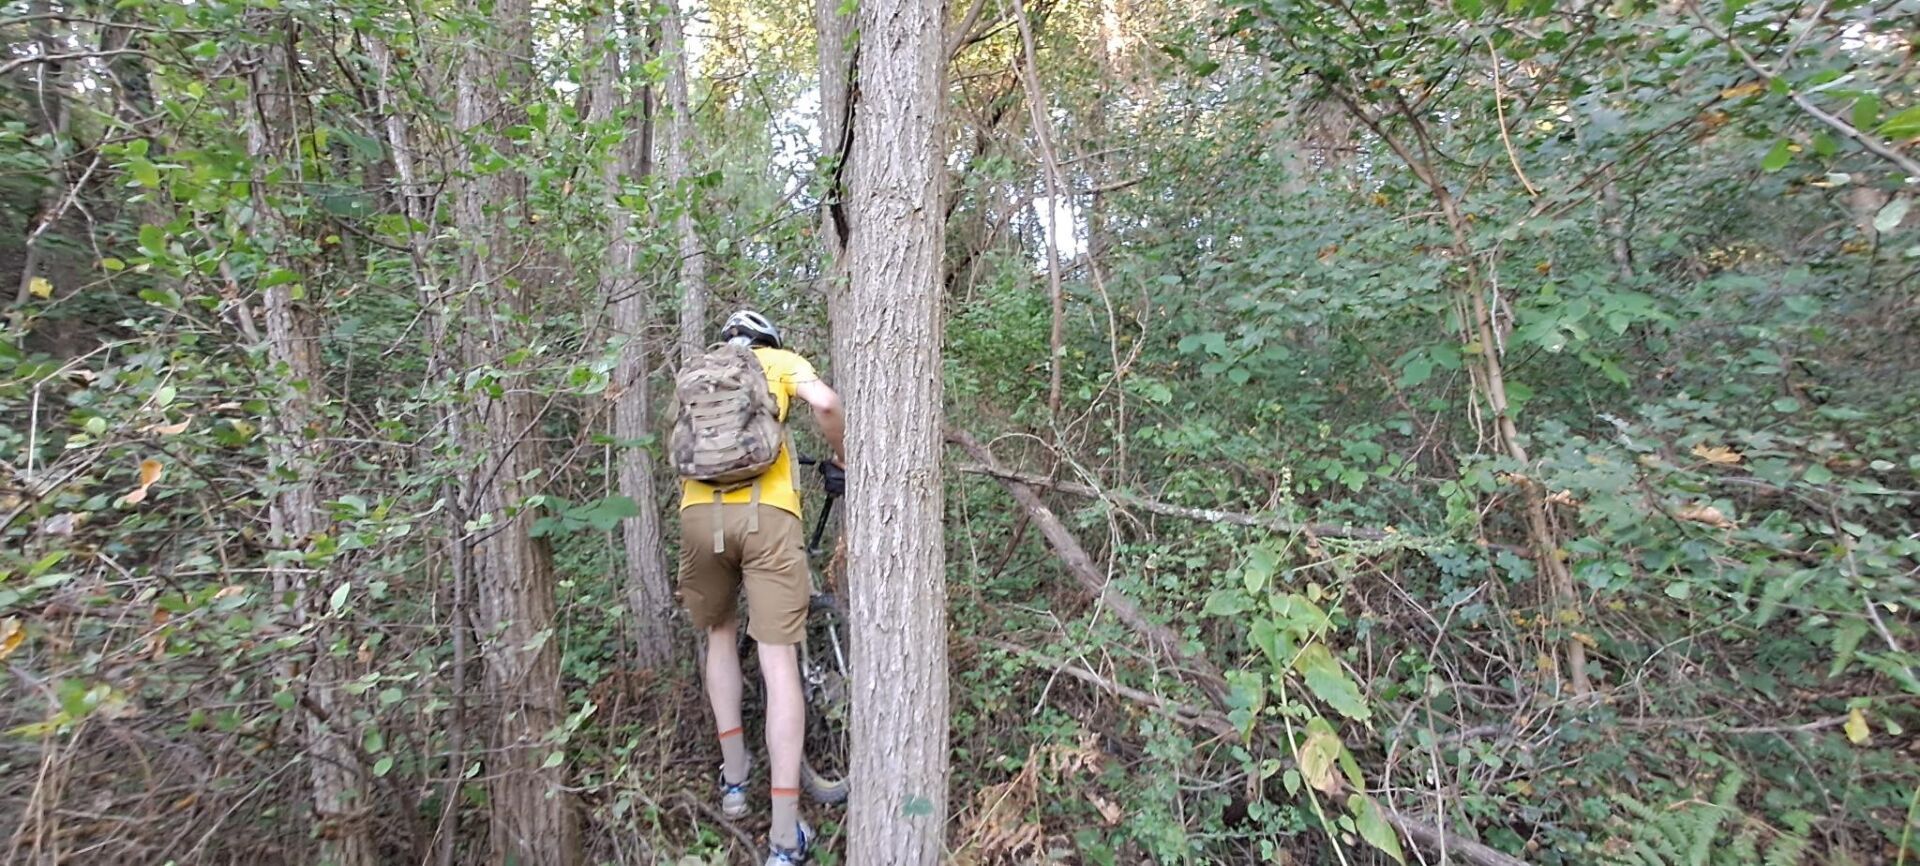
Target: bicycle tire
{"x": 824, "y": 771}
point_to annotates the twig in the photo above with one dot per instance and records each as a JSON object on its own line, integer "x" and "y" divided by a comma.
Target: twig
{"x": 714, "y": 815}
{"x": 1500, "y": 112}
{"x": 1183, "y": 713}
{"x": 1872, "y": 144}
{"x": 8, "y": 68}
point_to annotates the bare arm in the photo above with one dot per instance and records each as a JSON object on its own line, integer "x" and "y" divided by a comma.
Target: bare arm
{"x": 826, "y": 413}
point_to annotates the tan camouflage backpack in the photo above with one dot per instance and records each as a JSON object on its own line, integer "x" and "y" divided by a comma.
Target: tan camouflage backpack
{"x": 728, "y": 430}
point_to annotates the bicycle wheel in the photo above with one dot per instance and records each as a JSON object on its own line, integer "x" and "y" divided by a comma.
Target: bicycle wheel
{"x": 823, "y": 682}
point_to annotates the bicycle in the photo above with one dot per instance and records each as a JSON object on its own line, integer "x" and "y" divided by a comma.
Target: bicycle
{"x": 824, "y": 684}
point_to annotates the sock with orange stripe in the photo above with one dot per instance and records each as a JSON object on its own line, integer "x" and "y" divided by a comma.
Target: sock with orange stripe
{"x": 733, "y": 756}
{"x": 785, "y": 831}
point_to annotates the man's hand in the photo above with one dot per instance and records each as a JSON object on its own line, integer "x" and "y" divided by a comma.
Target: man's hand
{"x": 833, "y": 477}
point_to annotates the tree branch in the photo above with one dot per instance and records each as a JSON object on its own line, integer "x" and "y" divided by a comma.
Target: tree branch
{"x": 1870, "y": 143}
{"x": 12, "y": 65}
{"x": 1201, "y": 515}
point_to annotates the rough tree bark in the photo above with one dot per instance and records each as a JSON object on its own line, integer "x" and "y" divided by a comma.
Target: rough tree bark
{"x": 896, "y": 560}
{"x": 340, "y": 803}
{"x": 694, "y": 326}
{"x": 649, "y": 594}
{"x": 838, "y": 62}
{"x": 534, "y": 819}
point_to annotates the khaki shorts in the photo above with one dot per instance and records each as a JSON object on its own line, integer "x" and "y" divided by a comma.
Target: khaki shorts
{"x": 771, "y": 563}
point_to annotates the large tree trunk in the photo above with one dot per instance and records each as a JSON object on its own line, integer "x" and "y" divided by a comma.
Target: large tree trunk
{"x": 838, "y": 62}
{"x": 340, "y": 802}
{"x": 649, "y": 595}
{"x": 694, "y": 325}
{"x": 534, "y": 819}
{"x": 891, "y": 346}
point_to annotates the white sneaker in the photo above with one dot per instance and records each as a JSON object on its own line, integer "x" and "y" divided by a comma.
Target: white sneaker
{"x": 733, "y": 795}
{"x": 798, "y": 854}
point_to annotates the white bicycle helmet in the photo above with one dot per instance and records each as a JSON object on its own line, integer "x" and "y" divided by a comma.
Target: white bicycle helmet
{"x": 752, "y": 327}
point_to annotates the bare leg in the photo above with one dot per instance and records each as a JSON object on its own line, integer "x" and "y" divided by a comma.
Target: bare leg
{"x": 723, "y": 692}
{"x": 786, "y": 735}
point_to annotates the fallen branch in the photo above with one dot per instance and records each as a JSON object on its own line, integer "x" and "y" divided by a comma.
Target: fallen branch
{"x": 1090, "y": 578}
{"x": 1183, "y": 713}
{"x": 1203, "y": 515}
{"x": 1435, "y": 839}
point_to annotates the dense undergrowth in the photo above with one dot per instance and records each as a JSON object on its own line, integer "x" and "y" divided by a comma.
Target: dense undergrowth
{"x": 1276, "y": 434}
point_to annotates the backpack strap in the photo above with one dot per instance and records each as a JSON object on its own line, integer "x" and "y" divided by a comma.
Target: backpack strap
{"x": 719, "y": 522}
{"x": 753, "y": 503}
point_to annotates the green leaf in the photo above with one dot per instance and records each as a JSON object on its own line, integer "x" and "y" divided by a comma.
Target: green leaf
{"x": 1904, "y": 125}
{"x": 1261, "y": 564}
{"x": 1890, "y": 216}
{"x": 339, "y": 598}
{"x": 382, "y": 767}
{"x": 1866, "y": 111}
{"x": 145, "y": 173}
{"x": 1227, "y": 602}
{"x": 1777, "y": 158}
{"x": 553, "y": 760}
{"x": 1418, "y": 370}
{"x": 1817, "y": 474}
{"x": 1372, "y": 824}
{"x": 1846, "y": 639}
{"x": 1330, "y": 683}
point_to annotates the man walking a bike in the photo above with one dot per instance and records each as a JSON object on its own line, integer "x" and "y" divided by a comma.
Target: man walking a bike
{"x": 740, "y": 528}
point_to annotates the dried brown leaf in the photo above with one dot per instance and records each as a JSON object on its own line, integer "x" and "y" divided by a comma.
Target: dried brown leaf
{"x": 1705, "y": 514}
{"x": 1716, "y": 454}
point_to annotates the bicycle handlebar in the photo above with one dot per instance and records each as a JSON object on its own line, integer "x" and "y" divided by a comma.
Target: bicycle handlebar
{"x": 819, "y": 525}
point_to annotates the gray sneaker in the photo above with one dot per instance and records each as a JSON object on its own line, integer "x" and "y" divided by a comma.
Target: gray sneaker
{"x": 733, "y": 795}
{"x": 798, "y": 854}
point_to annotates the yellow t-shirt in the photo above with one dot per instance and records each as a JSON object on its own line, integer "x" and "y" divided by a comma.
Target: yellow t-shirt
{"x": 785, "y": 371}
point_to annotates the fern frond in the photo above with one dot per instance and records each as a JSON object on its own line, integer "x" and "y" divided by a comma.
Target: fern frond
{"x": 1744, "y": 850}
{"x": 1786, "y": 851}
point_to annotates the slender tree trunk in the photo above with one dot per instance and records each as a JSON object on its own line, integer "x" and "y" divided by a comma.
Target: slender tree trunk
{"x": 694, "y": 325}
{"x": 1057, "y": 200}
{"x": 534, "y": 820}
{"x": 838, "y": 63}
{"x": 649, "y": 594}
{"x": 342, "y": 808}
{"x": 416, "y": 204}
{"x": 892, "y": 379}
{"x": 47, "y": 96}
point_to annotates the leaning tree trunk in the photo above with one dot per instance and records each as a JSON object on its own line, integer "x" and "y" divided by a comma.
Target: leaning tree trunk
{"x": 896, "y": 571}
{"x": 342, "y": 808}
{"x": 649, "y": 594}
{"x": 534, "y": 819}
{"x": 693, "y": 257}
{"x": 835, "y": 35}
